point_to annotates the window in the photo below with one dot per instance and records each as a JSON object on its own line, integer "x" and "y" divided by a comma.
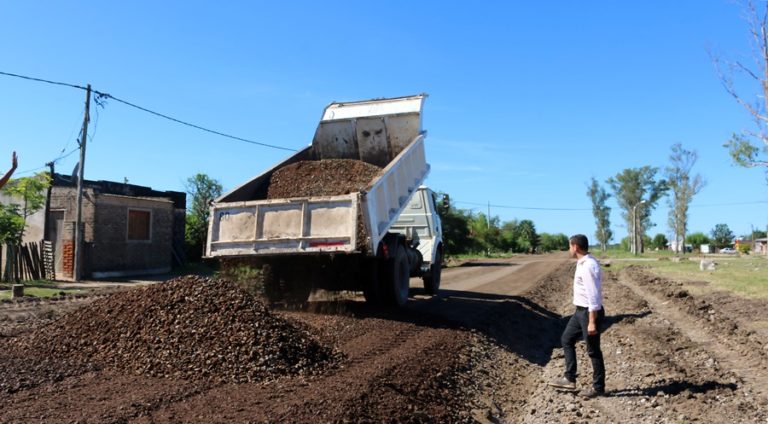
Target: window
{"x": 139, "y": 225}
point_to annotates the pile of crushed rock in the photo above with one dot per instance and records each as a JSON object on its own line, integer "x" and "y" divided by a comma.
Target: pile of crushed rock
{"x": 327, "y": 177}
{"x": 189, "y": 327}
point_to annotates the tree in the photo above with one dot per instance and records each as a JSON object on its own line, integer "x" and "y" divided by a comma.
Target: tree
{"x": 659, "y": 242}
{"x": 697, "y": 239}
{"x": 527, "y": 240}
{"x": 485, "y": 232}
{"x": 637, "y": 191}
{"x": 510, "y": 235}
{"x": 553, "y": 242}
{"x": 455, "y": 223}
{"x": 722, "y": 236}
{"x": 11, "y": 224}
{"x": 601, "y": 212}
{"x": 202, "y": 191}
{"x": 31, "y": 192}
{"x": 684, "y": 187}
{"x": 745, "y": 147}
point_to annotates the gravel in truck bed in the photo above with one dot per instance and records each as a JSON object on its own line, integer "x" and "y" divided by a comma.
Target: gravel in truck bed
{"x": 189, "y": 327}
{"x": 327, "y": 177}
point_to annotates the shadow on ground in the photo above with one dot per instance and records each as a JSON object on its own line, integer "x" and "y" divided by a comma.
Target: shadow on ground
{"x": 673, "y": 388}
{"x": 513, "y": 322}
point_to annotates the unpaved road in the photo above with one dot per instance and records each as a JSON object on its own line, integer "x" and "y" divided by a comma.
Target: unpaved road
{"x": 481, "y": 352}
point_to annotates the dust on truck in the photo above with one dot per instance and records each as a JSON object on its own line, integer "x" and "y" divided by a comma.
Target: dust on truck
{"x": 359, "y": 241}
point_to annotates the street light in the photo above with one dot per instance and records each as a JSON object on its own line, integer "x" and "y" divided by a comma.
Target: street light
{"x": 634, "y": 226}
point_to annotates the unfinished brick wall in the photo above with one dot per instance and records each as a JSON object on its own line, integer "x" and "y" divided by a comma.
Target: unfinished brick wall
{"x": 67, "y": 250}
{"x": 112, "y": 251}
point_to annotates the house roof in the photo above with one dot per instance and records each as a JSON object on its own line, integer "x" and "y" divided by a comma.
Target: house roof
{"x": 179, "y": 199}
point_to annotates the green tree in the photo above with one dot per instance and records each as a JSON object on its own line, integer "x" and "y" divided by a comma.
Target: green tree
{"x": 528, "y": 239}
{"x": 637, "y": 191}
{"x": 486, "y": 234}
{"x": 31, "y": 192}
{"x": 510, "y": 235}
{"x": 11, "y": 224}
{"x": 684, "y": 186}
{"x": 697, "y": 239}
{"x": 202, "y": 191}
{"x": 455, "y": 223}
{"x": 659, "y": 242}
{"x": 601, "y": 212}
{"x": 553, "y": 242}
{"x": 722, "y": 236}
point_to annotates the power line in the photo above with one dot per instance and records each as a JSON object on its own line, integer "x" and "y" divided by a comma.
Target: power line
{"x": 106, "y": 95}
{"x": 42, "y": 80}
{"x": 102, "y": 95}
{"x": 520, "y": 207}
{"x": 758, "y": 202}
{"x": 730, "y": 204}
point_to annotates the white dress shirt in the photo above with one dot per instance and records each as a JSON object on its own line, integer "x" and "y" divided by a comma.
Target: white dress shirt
{"x": 588, "y": 284}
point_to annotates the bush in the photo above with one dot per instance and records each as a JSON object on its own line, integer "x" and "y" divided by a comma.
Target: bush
{"x": 743, "y": 249}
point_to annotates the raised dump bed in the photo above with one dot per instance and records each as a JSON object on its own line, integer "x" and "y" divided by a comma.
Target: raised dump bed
{"x": 340, "y": 194}
{"x": 383, "y": 133}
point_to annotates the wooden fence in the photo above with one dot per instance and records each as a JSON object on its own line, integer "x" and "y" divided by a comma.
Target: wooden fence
{"x": 27, "y": 261}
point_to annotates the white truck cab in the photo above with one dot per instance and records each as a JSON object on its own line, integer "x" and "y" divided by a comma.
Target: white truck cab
{"x": 420, "y": 223}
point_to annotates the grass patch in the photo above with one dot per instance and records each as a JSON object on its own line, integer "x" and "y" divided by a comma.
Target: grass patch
{"x": 39, "y": 292}
{"x": 745, "y": 276}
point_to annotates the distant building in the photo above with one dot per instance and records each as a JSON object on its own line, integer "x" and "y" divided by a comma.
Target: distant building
{"x": 760, "y": 246}
{"x": 678, "y": 246}
{"x": 128, "y": 229}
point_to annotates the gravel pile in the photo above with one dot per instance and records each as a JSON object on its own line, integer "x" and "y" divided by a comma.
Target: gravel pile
{"x": 327, "y": 177}
{"x": 189, "y": 327}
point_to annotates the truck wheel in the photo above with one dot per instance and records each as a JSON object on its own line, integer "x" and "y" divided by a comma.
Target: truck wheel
{"x": 371, "y": 282}
{"x": 432, "y": 277}
{"x": 399, "y": 277}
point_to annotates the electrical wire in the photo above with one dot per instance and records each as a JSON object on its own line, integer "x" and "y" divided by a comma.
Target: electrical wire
{"x": 102, "y": 95}
{"x": 520, "y": 207}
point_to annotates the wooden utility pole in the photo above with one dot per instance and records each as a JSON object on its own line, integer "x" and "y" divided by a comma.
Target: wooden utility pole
{"x": 46, "y": 223}
{"x": 79, "y": 222}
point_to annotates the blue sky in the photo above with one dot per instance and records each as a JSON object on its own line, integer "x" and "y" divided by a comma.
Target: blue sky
{"x": 528, "y": 100}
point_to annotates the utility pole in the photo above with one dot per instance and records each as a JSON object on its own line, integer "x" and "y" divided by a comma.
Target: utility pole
{"x": 488, "y": 217}
{"x": 81, "y": 167}
{"x": 635, "y": 236}
{"x": 46, "y": 223}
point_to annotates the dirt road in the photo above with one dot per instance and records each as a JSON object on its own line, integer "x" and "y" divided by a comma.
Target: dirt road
{"x": 481, "y": 352}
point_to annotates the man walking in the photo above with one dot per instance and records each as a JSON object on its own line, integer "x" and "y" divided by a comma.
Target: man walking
{"x": 586, "y": 322}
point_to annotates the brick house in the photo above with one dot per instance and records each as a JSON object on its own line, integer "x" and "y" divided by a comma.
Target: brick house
{"x": 127, "y": 229}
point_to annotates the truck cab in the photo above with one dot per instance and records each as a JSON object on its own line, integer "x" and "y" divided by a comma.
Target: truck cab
{"x": 420, "y": 223}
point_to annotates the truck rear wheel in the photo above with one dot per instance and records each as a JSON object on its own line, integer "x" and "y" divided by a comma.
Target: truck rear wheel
{"x": 372, "y": 282}
{"x": 399, "y": 277}
{"x": 432, "y": 277}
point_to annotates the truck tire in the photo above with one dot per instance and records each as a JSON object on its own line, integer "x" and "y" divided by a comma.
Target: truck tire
{"x": 372, "y": 282}
{"x": 432, "y": 277}
{"x": 399, "y": 277}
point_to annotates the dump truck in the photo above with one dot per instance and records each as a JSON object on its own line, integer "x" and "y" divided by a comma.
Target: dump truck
{"x": 371, "y": 240}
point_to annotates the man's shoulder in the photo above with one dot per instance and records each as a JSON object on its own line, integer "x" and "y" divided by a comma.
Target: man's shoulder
{"x": 591, "y": 261}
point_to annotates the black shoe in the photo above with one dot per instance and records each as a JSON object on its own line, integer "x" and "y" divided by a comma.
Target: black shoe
{"x": 564, "y": 384}
{"x": 591, "y": 393}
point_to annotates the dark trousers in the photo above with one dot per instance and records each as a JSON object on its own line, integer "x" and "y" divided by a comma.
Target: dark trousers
{"x": 577, "y": 330}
